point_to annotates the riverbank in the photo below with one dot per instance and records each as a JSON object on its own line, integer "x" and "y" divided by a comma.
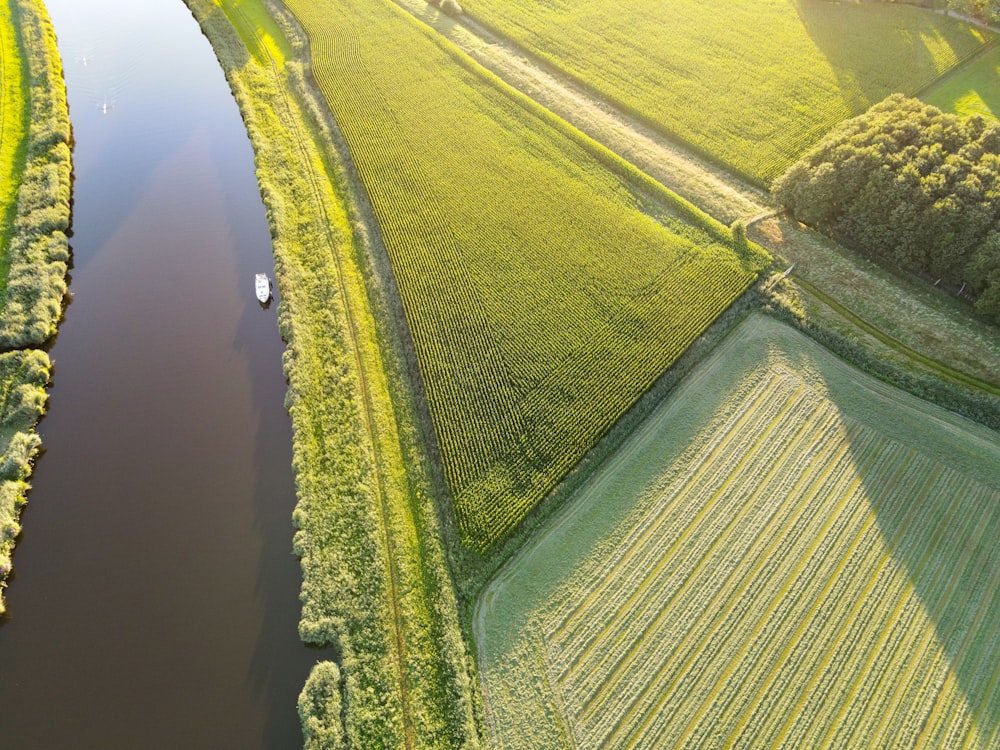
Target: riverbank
{"x": 38, "y": 253}
{"x": 375, "y": 584}
{"x": 35, "y": 256}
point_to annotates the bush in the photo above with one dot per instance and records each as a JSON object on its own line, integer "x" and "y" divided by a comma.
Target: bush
{"x": 320, "y": 708}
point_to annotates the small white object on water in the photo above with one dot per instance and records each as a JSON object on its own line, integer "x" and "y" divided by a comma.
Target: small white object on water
{"x": 262, "y": 284}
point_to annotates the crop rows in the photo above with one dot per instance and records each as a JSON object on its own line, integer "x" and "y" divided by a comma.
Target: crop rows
{"x": 541, "y": 300}
{"x": 716, "y": 74}
{"x": 806, "y": 582}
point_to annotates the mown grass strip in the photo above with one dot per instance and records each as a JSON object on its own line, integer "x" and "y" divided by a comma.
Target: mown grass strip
{"x": 375, "y": 584}
{"x": 939, "y": 368}
{"x": 845, "y": 604}
{"x": 13, "y": 127}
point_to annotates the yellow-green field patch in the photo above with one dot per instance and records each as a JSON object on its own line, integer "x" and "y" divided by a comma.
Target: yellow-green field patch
{"x": 787, "y": 554}
{"x": 542, "y": 297}
{"x": 752, "y": 83}
{"x": 13, "y": 128}
{"x": 972, "y": 90}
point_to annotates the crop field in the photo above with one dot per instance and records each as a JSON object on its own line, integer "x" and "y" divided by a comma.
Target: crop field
{"x": 787, "y": 554}
{"x": 541, "y": 295}
{"x": 751, "y": 83}
{"x": 13, "y": 127}
{"x": 972, "y": 90}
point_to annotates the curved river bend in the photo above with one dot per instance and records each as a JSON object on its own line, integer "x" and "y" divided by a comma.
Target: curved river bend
{"x": 154, "y": 602}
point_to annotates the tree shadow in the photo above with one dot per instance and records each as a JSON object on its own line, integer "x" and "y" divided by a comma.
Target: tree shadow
{"x": 934, "y": 489}
{"x": 865, "y": 63}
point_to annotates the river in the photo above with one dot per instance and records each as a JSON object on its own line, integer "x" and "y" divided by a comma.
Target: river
{"x": 154, "y": 602}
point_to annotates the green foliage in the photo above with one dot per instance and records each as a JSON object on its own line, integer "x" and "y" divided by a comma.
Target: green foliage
{"x": 23, "y": 377}
{"x": 375, "y": 586}
{"x": 541, "y": 299}
{"x": 38, "y": 252}
{"x": 751, "y": 83}
{"x": 910, "y": 186}
{"x": 984, "y": 10}
{"x": 729, "y": 577}
{"x": 320, "y": 707}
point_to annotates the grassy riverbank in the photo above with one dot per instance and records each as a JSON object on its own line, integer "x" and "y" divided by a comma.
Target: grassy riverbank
{"x": 23, "y": 377}
{"x": 37, "y": 253}
{"x": 375, "y": 583}
{"x": 35, "y": 174}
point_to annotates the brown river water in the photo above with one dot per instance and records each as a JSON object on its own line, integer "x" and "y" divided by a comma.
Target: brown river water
{"x": 155, "y": 597}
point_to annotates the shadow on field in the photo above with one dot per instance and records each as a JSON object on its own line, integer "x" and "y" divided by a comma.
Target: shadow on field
{"x": 842, "y": 32}
{"x": 941, "y": 521}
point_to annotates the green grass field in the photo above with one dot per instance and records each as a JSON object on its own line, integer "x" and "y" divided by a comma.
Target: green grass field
{"x": 13, "y": 130}
{"x": 542, "y": 300}
{"x": 974, "y": 89}
{"x": 787, "y": 554}
{"x": 751, "y": 83}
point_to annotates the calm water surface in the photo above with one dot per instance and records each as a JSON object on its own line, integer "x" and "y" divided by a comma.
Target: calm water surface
{"x": 154, "y": 603}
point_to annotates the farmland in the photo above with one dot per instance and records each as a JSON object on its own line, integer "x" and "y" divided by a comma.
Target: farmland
{"x": 668, "y": 63}
{"x": 787, "y": 553}
{"x": 543, "y": 292}
{"x": 972, "y": 90}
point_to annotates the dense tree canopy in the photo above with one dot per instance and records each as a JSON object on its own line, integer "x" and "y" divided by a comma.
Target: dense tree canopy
{"x": 987, "y": 10}
{"x": 911, "y": 186}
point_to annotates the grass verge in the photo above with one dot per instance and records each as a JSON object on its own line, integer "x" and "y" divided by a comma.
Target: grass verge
{"x": 38, "y": 253}
{"x": 375, "y": 584}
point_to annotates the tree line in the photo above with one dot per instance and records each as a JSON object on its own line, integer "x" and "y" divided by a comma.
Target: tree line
{"x": 914, "y": 188}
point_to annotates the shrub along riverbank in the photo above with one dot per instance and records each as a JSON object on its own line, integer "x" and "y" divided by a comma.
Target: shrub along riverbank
{"x": 375, "y": 583}
{"x": 34, "y": 250}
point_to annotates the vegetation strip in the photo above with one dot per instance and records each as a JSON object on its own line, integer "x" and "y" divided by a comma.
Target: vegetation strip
{"x": 38, "y": 253}
{"x": 23, "y": 377}
{"x": 375, "y": 584}
{"x": 785, "y": 554}
{"x": 939, "y": 368}
{"x": 34, "y": 251}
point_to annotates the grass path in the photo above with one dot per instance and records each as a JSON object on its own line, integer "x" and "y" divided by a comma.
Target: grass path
{"x": 727, "y": 198}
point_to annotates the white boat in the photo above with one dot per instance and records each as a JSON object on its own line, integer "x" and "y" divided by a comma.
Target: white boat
{"x": 263, "y": 286}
